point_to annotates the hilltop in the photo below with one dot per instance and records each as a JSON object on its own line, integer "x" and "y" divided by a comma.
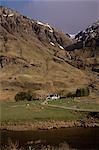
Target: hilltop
{"x": 36, "y": 57}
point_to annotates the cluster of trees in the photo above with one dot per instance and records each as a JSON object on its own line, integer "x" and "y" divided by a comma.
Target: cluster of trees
{"x": 21, "y": 96}
{"x": 80, "y": 92}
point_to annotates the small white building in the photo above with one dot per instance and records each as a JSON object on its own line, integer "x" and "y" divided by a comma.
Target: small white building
{"x": 52, "y": 97}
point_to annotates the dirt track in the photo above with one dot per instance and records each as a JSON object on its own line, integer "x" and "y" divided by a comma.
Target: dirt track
{"x": 70, "y": 108}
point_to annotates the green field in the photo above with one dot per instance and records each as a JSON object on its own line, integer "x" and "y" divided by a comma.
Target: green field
{"x": 75, "y": 103}
{"x": 20, "y": 112}
{"x": 33, "y": 110}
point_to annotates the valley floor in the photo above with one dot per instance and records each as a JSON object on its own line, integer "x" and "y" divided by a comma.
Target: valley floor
{"x": 54, "y": 114}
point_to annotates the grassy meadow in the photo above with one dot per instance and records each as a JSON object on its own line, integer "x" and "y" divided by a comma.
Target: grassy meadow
{"x": 31, "y": 111}
{"x": 25, "y": 111}
{"x": 75, "y": 103}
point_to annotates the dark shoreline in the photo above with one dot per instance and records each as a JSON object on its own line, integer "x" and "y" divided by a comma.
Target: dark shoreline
{"x": 45, "y": 125}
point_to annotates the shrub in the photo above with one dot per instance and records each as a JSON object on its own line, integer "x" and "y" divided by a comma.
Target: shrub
{"x": 82, "y": 92}
{"x": 21, "y": 96}
{"x": 70, "y": 94}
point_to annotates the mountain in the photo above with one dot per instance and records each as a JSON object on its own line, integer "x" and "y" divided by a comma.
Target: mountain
{"x": 85, "y": 49}
{"x": 35, "y": 57}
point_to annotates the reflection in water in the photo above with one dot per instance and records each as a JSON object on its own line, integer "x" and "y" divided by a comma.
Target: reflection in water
{"x": 38, "y": 146}
{"x": 60, "y": 139}
{"x": 62, "y": 146}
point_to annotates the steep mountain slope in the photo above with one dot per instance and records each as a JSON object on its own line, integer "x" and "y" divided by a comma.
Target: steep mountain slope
{"x": 33, "y": 58}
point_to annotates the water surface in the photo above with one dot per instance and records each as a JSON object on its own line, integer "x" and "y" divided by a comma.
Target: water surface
{"x": 74, "y": 138}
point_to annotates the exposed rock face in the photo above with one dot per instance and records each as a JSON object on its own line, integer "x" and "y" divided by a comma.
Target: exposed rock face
{"x": 33, "y": 58}
{"x": 86, "y": 38}
{"x": 13, "y": 22}
{"x": 85, "y": 50}
{"x": 89, "y": 37}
